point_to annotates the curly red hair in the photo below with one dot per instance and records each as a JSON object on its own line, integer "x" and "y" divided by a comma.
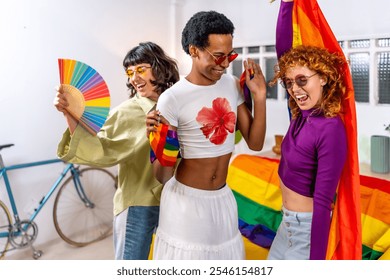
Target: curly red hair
{"x": 327, "y": 65}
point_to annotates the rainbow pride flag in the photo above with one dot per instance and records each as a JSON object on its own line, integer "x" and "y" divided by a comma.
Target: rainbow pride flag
{"x": 164, "y": 146}
{"x": 302, "y": 23}
{"x": 255, "y": 184}
{"x": 375, "y": 204}
{"x": 246, "y": 91}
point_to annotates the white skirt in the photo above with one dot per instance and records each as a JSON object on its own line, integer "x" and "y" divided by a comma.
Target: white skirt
{"x": 197, "y": 224}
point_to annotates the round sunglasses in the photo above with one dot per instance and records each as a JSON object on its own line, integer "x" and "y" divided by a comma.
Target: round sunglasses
{"x": 300, "y": 80}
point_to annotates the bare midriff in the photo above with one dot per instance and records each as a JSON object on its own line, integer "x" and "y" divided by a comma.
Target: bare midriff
{"x": 294, "y": 201}
{"x": 204, "y": 173}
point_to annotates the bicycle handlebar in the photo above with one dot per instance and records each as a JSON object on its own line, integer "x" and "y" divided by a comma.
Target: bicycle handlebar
{"x": 6, "y": 146}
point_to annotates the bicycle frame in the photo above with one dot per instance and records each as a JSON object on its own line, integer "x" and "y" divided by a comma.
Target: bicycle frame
{"x": 73, "y": 184}
{"x": 79, "y": 189}
{"x": 3, "y": 174}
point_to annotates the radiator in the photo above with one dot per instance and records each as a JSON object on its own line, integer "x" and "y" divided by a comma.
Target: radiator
{"x": 380, "y": 154}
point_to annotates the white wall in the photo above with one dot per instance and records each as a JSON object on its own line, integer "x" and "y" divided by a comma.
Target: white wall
{"x": 34, "y": 34}
{"x": 100, "y": 32}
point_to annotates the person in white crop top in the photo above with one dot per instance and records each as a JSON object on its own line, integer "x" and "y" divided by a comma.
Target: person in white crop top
{"x": 198, "y": 212}
{"x": 178, "y": 107}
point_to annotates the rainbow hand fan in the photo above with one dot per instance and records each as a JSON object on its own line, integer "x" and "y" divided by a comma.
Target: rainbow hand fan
{"x": 86, "y": 92}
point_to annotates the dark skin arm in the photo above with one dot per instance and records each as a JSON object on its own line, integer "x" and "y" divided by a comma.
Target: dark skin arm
{"x": 253, "y": 127}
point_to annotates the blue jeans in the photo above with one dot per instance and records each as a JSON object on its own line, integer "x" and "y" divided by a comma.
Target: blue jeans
{"x": 292, "y": 240}
{"x": 133, "y": 232}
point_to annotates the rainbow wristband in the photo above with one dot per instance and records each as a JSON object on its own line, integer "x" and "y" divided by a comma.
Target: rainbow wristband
{"x": 164, "y": 146}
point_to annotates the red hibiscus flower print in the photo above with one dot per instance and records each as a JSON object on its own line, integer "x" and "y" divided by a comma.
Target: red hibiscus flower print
{"x": 217, "y": 121}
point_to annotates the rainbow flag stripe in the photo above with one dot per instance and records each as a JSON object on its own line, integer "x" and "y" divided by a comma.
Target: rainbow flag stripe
{"x": 164, "y": 146}
{"x": 375, "y": 205}
{"x": 255, "y": 184}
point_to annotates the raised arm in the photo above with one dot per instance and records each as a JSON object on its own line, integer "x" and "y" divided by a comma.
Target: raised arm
{"x": 284, "y": 28}
{"x": 253, "y": 128}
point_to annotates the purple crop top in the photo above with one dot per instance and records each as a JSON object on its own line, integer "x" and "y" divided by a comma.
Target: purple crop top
{"x": 313, "y": 156}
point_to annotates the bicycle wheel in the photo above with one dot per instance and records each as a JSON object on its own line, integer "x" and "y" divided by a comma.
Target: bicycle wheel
{"x": 79, "y": 223}
{"x": 5, "y": 224}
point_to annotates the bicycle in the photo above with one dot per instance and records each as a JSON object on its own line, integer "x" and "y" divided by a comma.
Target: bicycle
{"x": 82, "y": 211}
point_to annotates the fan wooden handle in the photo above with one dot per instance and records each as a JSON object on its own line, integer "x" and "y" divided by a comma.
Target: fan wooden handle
{"x": 75, "y": 100}
{"x": 76, "y": 106}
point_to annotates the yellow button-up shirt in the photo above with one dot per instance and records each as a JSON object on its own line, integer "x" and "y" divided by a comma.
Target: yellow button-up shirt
{"x": 121, "y": 141}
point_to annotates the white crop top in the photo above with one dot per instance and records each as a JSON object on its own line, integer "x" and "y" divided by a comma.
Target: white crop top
{"x": 205, "y": 116}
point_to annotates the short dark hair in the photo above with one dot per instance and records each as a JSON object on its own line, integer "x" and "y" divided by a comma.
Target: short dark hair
{"x": 201, "y": 25}
{"x": 164, "y": 68}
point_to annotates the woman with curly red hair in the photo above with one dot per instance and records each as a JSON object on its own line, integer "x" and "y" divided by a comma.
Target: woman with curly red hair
{"x": 313, "y": 151}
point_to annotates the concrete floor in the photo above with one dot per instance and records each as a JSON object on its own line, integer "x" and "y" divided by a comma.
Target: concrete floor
{"x": 60, "y": 250}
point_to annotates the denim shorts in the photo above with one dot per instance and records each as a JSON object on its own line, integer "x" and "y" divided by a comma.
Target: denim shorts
{"x": 292, "y": 240}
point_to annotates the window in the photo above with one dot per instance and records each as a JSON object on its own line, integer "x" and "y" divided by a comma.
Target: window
{"x": 370, "y": 68}
{"x": 360, "y": 70}
{"x": 265, "y": 56}
{"x": 369, "y": 61}
{"x": 384, "y": 78}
